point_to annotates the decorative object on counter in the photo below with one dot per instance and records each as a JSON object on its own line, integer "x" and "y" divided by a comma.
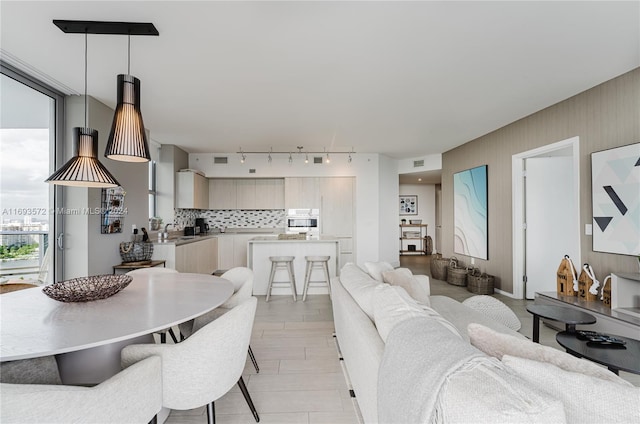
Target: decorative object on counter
{"x": 145, "y": 235}
{"x": 408, "y": 205}
{"x": 155, "y": 223}
{"x": 86, "y": 289}
{"x": 439, "y": 266}
{"x": 292, "y": 236}
{"x": 112, "y": 210}
{"x": 588, "y": 284}
{"x": 567, "y": 277}
{"x": 403, "y": 221}
{"x": 456, "y": 273}
{"x": 480, "y": 282}
{"x": 470, "y": 206}
{"x": 131, "y": 251}
{"x": 606, "y": 292}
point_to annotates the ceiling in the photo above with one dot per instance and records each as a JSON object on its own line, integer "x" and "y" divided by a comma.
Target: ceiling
{"x": 405, "y": 79}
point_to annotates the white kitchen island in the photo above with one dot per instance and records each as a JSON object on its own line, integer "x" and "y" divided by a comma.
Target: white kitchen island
{"x": 260, "y": 248}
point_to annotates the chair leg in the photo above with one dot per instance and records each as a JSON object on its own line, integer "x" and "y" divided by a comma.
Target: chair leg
{"x": 253, "y": 359}
{"x": 247, "y": 397}
{"x": 273, "y": 271}
{"x": 173, "y": 335}
{"x": 211, "y": 413}
{"x": 307, "y": 276}
{"x": 326, "y": 273}
{"x": 292, "y": 279}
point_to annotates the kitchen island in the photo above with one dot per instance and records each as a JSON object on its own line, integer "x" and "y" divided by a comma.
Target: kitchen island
{"x": 260, "y": 248}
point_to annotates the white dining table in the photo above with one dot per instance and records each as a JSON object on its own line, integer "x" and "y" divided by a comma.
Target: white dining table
{"x": 87, "y": 337}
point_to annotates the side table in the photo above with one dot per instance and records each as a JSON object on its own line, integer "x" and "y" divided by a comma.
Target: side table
{"x": 570, "y": 317}
{"x": 615, "y": 359}
{"x": 136, "y": 265}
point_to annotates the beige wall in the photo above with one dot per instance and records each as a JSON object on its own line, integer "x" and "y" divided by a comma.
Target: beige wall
{"x": 604, "y": 117}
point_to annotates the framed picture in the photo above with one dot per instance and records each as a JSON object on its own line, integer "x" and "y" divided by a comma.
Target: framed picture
{"x": 470, "y": 213}
{"x": 615, "y": 184}
{"x": 408, "y": 205}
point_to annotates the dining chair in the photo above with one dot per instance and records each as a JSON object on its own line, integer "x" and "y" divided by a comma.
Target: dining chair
{"x": 242, "y": 280}
{"x": 43, "y": 370}
{"x": 157, "y": 270}
{"x": 133, "y": 395}
{"x": 204, "y": 367}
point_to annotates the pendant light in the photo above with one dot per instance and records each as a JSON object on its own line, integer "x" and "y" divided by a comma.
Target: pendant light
{"x": 128, "y": 138}
{"x": 84, "y": 169}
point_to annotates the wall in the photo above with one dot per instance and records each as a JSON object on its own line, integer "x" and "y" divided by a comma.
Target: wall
{"x": 87, "y": 251}
{"x": 426, "y": 206}
{"x": 603, "y": 117}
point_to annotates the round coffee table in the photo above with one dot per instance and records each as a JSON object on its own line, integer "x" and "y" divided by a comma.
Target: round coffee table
{"x": 569, "y": 316}
{"x": 616, "y": 359}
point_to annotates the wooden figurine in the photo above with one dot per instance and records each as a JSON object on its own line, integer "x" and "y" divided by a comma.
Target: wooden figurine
{"x": 588, "y": 284}
{"x": 567, "y": 277}
{"x": 606, "y": 292}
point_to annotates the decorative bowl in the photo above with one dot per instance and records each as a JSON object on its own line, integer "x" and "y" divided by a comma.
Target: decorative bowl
{"x": 86, "y": 289}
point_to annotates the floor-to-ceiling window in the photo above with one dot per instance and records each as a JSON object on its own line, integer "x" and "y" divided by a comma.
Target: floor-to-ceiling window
{"x": 31, "y": 117}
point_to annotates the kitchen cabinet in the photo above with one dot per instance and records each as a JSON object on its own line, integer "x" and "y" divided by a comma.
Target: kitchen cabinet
{"x": 222, "y": 193}
{"x": 302, "y": 193}
{"x": 270, "y": 193}
{"x": 246, "y": 193}
{"x": 225, "y": 252}
{"x": 199, "y": 256}
{"x": 192, "y": 191}
{"x": 240, "y": 242}
{"x": 336, "y": 209}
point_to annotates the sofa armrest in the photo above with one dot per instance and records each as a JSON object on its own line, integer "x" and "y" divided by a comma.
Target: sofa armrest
{"x": 424, "y": 284}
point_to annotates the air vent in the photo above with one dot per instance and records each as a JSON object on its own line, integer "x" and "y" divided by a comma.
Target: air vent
{"x": 252, "y": 171}
{"x": 317, "y": 159}
{"x": 418, "y": 163}
{"x": 220, "y": 160}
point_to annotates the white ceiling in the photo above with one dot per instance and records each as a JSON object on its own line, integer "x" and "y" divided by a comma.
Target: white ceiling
{"x": 400, "y": 78}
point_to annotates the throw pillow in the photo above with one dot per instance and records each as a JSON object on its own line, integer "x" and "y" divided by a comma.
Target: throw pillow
{"x": 391, "y": 306}
{"x": 403, "y": 277}
{"x": 498, "y": 344}
{"x": 586, "y": 399}
{"x": 375, "y": 269}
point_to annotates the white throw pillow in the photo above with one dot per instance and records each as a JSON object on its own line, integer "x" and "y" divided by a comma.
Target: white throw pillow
{"x": 375, "y": 269}
{"x": 404, "y": 278}
{"x": 499, "y": 344}
{"x": 360, "y": 286}
{"x": 586, "y": 399}
{"x": 391, "y": 306}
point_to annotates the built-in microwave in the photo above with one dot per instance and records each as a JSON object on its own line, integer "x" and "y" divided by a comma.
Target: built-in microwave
{"x": 303, "y": 221}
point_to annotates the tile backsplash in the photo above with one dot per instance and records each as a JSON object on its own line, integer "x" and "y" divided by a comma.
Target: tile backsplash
{"x": 232, "y": 218}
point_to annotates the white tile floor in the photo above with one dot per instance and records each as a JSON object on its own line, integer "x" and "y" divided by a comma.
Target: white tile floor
{"x": 300, "y": 379}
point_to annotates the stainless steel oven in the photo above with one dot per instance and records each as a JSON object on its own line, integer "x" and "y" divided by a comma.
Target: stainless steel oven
{"x": 303, "y": 221}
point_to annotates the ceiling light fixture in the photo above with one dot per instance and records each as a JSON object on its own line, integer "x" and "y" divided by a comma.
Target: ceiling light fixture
{"x": 128, "y": 139}
{"x": 325, "y": 153}
{"x": 290, "y": 159}
{"x": 84, "y": 169}
{"x": 269, "y": 158}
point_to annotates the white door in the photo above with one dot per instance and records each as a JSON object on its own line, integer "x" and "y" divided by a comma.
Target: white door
{"x": 550, "y": 220}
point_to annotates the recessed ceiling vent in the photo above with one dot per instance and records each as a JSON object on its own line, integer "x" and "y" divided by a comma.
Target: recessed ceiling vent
{"x": 317, "y": 159}
{"x": 252, "y": 171}
{"x": 418, "y": 163}
{"x": 220, "y": 160}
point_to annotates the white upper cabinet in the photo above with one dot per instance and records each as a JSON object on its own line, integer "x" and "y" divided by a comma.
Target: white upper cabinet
{"x": 192, "y": 191}
{"x": 302, "y": 193}
{"x": 270, "y": 193}
{"x": 246, "y": 193}
{"x": 336, "y": 210}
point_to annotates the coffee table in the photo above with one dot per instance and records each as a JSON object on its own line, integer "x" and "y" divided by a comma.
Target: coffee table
{"x": 615, "y": 359}
{"x": 570, "y": 317}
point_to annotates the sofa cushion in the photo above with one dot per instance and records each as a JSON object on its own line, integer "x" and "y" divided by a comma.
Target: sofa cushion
{"x": 360, "y": 286}
{"x": 497, "y": 345}
{"x": 404, "y": 278}
{"x": 586, "y": 399}
{"x": 391, "y": 306}
{"x": 375, "y": 269}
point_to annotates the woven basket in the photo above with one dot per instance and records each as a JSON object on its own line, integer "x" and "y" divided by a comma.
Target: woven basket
{"x": 85, "y": 289}
{"x": 439, "y": 267}
{"x": 131, "y": 251}
{"x": 456, "y": 274}
{"x": 480, "y": 283}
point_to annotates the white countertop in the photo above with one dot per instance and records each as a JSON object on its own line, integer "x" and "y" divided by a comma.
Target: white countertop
{"x": 271, "y": 239}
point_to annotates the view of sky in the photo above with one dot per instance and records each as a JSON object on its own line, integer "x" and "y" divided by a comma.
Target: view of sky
{"x": 24, "y": 165}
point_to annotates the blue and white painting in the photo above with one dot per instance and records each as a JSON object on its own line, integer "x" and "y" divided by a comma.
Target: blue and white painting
{"x": 470, "y": 213}
{"x": 615, "y": 181}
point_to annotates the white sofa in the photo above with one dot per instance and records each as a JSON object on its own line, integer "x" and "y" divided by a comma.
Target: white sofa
{"x": 425, "y": 372}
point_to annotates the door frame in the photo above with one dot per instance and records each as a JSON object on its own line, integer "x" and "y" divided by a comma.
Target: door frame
{"x": 518, "y": 209}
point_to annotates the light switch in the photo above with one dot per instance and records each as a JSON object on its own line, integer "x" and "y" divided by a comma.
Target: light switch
{"x": 588, "y": 229}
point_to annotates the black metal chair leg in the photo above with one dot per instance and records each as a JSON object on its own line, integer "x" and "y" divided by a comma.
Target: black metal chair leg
{"x": 163, "y": 337}
{"x": 247, "y": 397}
{"x": 211, "y": 413}
{"x": 173, "y": 335}
{"x": 253, "y": 359}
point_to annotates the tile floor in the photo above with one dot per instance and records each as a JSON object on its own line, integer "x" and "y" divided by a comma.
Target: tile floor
{"x": 300, "y": 379}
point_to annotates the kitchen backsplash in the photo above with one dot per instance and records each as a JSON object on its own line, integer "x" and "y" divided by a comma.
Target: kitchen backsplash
{"x": 232, "y": 218}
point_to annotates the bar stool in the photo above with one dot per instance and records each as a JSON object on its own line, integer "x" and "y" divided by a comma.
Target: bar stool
{"x": 316, "y": 262}
{"x": 282, "y": 262}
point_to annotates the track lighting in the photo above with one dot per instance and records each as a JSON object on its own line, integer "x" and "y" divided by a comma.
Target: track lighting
{"x": 327, "y": 154}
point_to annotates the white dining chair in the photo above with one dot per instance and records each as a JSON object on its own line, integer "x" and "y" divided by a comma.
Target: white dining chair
{"x": 133, "y": 395}
{"x": 204, "y": 367}
{"x": 242, "y": 280}
{"x": 43, "y": 370}
{"x": 158, "y": 270}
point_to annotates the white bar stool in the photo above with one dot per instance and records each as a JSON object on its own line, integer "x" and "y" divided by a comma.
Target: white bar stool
{"x": 282, "y": 262}
{"x": 316, "y": 262}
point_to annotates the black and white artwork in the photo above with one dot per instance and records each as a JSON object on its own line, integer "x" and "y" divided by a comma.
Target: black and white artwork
{"x": 408, "y": 205}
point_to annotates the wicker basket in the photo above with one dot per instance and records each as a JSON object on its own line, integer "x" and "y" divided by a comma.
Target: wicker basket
{"x": 439, "y": 267}
{"x": 456, "y": 274}
{"x": 85, "y": 289}
{"x": 131, "y": 251}
{"x": 480, "y": 283}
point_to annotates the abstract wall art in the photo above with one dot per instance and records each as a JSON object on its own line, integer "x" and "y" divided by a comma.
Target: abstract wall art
{"x": 408, "y": 205}
{"x": 470, "y": 212}
{"x": 615, "y": 183}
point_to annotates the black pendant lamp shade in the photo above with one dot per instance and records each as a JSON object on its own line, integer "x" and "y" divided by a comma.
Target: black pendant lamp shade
{"x": 84, "y": 169}
{"x": 128, "y": 139}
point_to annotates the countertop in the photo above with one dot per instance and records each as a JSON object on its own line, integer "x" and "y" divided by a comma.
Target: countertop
{"x": 182, "y": 240}
{"x": 274, "y": 238}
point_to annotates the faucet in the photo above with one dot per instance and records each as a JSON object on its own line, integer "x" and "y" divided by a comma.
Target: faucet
{"x": 166, "y": 233}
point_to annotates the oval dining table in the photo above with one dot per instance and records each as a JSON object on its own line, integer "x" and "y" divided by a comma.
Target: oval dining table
{"x": 87, "y": 337}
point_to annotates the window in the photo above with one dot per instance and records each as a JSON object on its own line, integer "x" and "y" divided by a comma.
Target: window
{"x": 152, "y": 189}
